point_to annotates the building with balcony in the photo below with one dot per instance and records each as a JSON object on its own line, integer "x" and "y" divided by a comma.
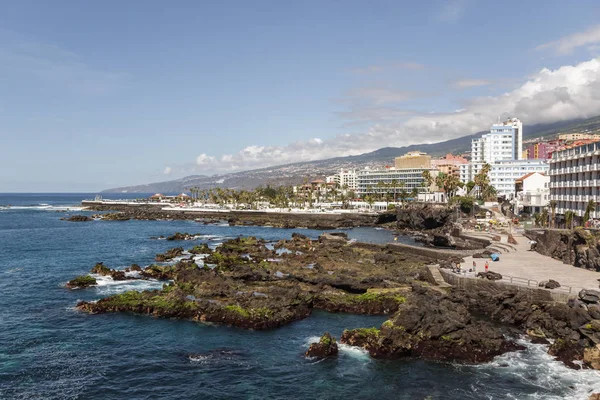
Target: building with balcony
{"x": 504, "y": 142}
{"x": 379, "y": 181}
{"x": 575, "y": 178}
{"x": 504, "y": 174}
{"x": 532, "y": 193}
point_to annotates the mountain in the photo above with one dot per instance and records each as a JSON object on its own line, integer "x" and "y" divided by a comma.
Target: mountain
{"x": 295, "y": 173}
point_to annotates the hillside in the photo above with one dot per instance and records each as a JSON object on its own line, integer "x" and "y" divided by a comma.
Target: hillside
{"x": 297, "y": 172}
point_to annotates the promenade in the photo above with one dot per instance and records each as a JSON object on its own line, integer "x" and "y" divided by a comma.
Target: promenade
{"x": 523, "y": 265}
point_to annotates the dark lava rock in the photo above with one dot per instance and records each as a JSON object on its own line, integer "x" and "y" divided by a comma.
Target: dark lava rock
{"x": 589, "y": 296}
{"x": 77, "y": 218}
{"x": 81, "y": 282}
{"x": 423, "y": 217}
{"x": 169, "y": 254}
{"x": 490, "y": 275}
{"x": 182, "y": 236}
{"x": 552, "y": 284}
{"x": 326, "y": 347}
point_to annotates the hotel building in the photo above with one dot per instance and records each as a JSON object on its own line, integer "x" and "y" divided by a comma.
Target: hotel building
{"x": 575, "y": 178}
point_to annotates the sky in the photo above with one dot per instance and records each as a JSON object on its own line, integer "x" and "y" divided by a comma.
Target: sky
{"x": 95, "y": 95}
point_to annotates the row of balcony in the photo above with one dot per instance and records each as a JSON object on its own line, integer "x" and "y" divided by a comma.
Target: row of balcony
{"x": 574, "y": 197}
{"x": 581, "y": 183}
{"x": 574, "y": 170}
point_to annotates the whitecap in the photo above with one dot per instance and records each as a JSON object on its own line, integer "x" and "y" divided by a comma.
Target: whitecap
{"x": 535, "y": 367}
{"x": 106, "y": 285}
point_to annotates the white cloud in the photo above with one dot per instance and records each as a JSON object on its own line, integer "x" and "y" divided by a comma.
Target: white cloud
{"x": 469, "y": 83}
{"x": 168, "y": 171}
{"x": 548, "y": 96}
{"x": 567, "y": 44}
{"x": 203, "y": 159}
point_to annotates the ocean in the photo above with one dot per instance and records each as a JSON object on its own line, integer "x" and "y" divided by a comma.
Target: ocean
{"x": 48, "y": 350}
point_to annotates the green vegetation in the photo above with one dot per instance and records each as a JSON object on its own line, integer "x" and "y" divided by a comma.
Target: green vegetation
{"x": 259, "y": 313}
{"x": 82, "y": 281}
{"x": 234, "y": 308}
{"x": 465, "y": 203}
{"x": 327, "y": 340}
{"x": 389, "y": 324}
{"x": 367, "y": 332}
{"x": 202, "y": 249}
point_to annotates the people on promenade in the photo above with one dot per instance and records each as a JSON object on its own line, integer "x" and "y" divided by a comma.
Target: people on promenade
{"x": 487, "y": 266}
{"x": 474, "y": 266}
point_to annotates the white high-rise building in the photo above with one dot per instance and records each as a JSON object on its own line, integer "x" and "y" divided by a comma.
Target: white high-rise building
{"x": 504, "y": 142}
{"x": 346, "y": 178}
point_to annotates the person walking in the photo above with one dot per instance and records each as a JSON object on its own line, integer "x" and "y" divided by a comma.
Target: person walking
{"x": 474, "y": 266}
{"x": 487, "y": 266}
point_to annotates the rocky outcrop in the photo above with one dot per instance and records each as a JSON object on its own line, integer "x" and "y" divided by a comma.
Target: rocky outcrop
{"x": 490, "y": 275}
{"x": 118, "y": 216}
{"x": 103, "y": 270}
{"x": 423, "y": 217}
{"x": 432, "y": 326}
{"x": 81, "y": 282}
{"x": 77, "y": 218}
{"x": 550, "y": 284}
{"x": 578, "y": 247}
{"x": 183, "y": 236}
{"x": 325, "y": 347}
{"x": 239, "y": 286}
{"x": 169, "y": 254}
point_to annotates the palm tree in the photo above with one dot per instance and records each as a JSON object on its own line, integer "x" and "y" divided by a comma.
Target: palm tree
{"x": 553, "y": 204}
{"x": 591, "y": 207}
{"x": 428, "y": 181}
{"x": 544, "y": 217}
{"x": 569, "y": 219}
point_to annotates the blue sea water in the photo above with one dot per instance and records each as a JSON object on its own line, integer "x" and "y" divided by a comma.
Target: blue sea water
{"x": 48, "y": 350}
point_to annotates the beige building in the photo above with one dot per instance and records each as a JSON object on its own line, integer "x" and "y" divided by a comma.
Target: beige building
{"x": 577, "y": 136}
{"x": 413, "y": 159}
{"x": 450, "y": 169}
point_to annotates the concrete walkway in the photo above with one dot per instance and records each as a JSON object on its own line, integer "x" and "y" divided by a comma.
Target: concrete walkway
{"x": 523, "y": 265}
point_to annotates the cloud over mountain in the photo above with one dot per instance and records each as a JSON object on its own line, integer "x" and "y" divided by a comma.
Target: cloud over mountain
{"x": 571, "y": 91}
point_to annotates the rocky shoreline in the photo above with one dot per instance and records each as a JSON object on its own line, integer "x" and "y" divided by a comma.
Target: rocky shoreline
{"x": 251, "y": 284}
{"x": 320, "y": 221}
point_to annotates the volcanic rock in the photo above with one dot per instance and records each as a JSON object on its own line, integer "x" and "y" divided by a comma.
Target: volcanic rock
{"x": 325, "y": 347}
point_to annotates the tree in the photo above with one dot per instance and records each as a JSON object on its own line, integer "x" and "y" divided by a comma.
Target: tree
{"x": 590, "y": 207}
{"x": 482, "y": 179}
{"x": 470, "y": 185}
{"x": 544, "y": 217}
{"x": 569, "y": 219}
{"x": 427, "y": 182}
{"x": 370, "y": 200}
{"x": 553, "y": 204}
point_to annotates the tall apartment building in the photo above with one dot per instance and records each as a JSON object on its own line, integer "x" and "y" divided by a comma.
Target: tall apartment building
{"x": 346, "y": 178}
{"x": 575, "y": 178}
{"x": 504, "y": 142}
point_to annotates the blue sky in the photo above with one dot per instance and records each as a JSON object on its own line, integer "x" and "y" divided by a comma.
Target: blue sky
{"x": 103, "y": 94}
